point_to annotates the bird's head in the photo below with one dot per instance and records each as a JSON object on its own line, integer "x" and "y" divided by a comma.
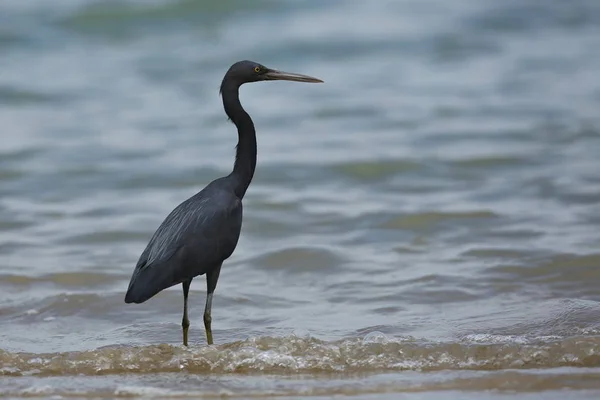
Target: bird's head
{"x": 249, "y": 71}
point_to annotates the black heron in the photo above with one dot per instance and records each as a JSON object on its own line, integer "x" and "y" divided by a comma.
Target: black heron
{"x": 203, "y": 231}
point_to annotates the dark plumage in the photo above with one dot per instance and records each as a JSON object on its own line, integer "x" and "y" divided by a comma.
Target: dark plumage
{"x": 203, "y": 231}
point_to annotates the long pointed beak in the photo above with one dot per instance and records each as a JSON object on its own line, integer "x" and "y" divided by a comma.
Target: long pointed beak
{"x": 274, "y": 75}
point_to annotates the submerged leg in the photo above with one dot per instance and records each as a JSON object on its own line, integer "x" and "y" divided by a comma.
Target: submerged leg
{"x": 185, "y": 322}
{"x": 211, "y": 283}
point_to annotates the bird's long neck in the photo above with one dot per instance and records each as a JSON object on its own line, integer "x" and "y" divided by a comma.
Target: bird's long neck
{"x": 245, "y": 155}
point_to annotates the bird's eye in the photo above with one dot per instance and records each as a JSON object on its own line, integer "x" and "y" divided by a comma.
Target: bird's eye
{"x": 257, "y": 69}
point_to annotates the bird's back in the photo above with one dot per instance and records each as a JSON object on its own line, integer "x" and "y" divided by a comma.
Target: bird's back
{"x": 196, "y": 236}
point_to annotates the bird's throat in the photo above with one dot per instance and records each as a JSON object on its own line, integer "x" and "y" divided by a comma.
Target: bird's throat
{"x": 245, "y": 156}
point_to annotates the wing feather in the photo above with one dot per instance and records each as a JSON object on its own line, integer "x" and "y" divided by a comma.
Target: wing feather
{"x": 199, "y": 233}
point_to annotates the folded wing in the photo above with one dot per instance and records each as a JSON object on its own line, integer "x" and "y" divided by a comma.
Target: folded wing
{"x": 198, "y": 235}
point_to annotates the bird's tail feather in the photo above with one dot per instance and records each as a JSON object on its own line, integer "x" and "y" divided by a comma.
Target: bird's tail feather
{"x": 147, "y": 282}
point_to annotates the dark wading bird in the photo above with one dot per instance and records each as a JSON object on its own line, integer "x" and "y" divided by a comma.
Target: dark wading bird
{"x": 203, "y": 231}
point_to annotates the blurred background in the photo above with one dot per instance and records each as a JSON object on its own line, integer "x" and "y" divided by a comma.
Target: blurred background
{"x": 427, "y": 220}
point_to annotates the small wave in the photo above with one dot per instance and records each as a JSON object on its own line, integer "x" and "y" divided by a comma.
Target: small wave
{"x": 66, "y": 279}
{"x": 375, "y": 170}
{"x": 114, "y": 17}
{"x": 308, "y": 355}
{"x": 298, "y": 259}
{"x": 426, "y": 220}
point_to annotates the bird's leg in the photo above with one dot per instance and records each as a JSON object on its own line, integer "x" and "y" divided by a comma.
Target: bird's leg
{"x": 185, "y": 322}
{"x": 211, "y": 283}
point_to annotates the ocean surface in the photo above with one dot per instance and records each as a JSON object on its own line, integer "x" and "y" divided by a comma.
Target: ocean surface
{"x": 423, "y": 225}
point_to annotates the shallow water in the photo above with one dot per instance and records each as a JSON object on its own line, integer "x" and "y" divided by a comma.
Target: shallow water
{"x": 426, "y": 222}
